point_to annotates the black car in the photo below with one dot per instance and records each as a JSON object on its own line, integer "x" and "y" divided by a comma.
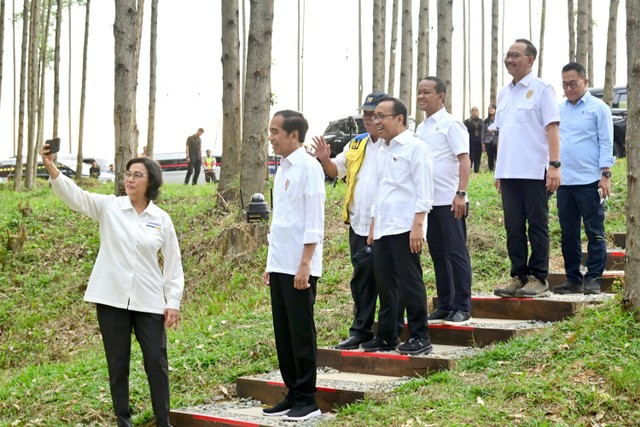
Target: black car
{"x": 341, "y": 131}
{"x": 619, "y": 113}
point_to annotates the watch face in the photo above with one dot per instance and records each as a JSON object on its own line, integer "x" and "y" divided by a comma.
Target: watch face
{"x": 606, "y": 174}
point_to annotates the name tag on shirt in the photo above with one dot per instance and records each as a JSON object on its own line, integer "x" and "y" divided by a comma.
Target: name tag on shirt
{"x": 154, "y": 225}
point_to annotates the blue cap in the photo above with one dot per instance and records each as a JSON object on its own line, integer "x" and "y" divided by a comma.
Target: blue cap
{"x": 372, "y": 100}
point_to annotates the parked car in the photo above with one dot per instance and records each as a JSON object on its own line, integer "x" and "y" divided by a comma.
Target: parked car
{"x": 174, "y": 167}
{"x": 68, "y": 168}
{"x": 619, "y": 113}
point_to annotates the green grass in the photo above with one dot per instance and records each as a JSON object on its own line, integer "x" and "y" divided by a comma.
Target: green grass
{"x": 53, "y": 373}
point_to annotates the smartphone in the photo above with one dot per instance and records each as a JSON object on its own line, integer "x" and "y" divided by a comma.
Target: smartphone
{"x": 54, "y": 145}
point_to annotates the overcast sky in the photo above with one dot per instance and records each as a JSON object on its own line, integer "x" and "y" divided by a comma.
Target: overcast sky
{"x": 189, "y": 83}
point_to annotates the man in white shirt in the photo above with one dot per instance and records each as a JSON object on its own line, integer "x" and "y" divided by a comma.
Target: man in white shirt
{"x": 294, "y": 263}
{"x": 448, "y": 140}
{"x": 405, "y": 195}
{"x": 357, "y": 163}
{"x": 527, "y": 170}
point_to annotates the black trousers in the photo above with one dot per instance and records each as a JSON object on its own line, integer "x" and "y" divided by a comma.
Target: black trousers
{"x": 295, "y": 333}
{"x": 116, "y": 325}
{"x": 363, "y": 291}
{"x": 447, "y": 239}
{"x": 475, "y": 154}
{"x": 491, "y": 151}
{"x": 399, "y": 280}
{"x": 525, "y": 204}
{"x": 195, "y": 163}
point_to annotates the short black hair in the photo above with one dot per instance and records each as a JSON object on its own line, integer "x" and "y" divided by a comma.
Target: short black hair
{"x": 577, "y": 67}
{"x": 399, "y": 109}
{"x": 154, "y": 175}
{"x": 441, "y": 86}
{"x": 294, "y": 120}
{"x": 530, "y": 49}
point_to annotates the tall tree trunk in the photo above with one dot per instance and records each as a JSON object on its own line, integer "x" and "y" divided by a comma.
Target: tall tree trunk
{"x": 465, "y": 55}
{"x": 590, "y": 25}
{"x": 631, "y": 293}
{"x": 543, "y": 15}
{"x": 15, "y": 74}
{"x": 136, "y": 64}
{"x": 502, "y": 47}
{"x": 482, "y": 61}
{"x": 406, "y": 56}
{"x": 443, "y": 55}
{"x": 610, "y": 64}
{"x": 378, "y": 44}
{"x": 360, "y": 65}
{"x": 530, "y": 22}
{"x": 495, "y": 16}
{"x": 153, "y": 60}
{"x": 393, "y": 48}
{"x": 582, "y": 36}
{"x": 125, "y": 31}
{"x": 231, "y": 112}
{"x": 83, "y": 92}
{"x": 301, "y": 13}
{"x": 44, "y": 38}
{"x": 422, "y": 65}
{"x": 257, "y": 99}
{"x": 571, "y": 20}
{"x": 1, "y": 45}
{"x": 69, "y": 93}
{"x": 56, "y": 69}
{"x": 17, "y": 183}
{"x": 32, "y": 90}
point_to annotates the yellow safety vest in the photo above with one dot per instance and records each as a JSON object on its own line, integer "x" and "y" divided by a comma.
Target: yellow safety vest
{"x": 209, "y": 162}
{"x": 354, "y": 156}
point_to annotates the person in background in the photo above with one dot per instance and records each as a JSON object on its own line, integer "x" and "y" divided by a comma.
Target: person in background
{"x": 357, "y": 162}
{"x": 144, "y": 152}
{"x": 209, "y": 163}
{"x": 194, "y": 156}
{"x": 404, "y": 168}
{"x": 448, "y": 140}
{"x": 294, "y": 263}
{"x": 490, "y": 137}
{"x": 527, "y": 170}
{"x": 131, "y": 291}
{"x": 586, "y": 153}
{"x": 112, "y": 169}
{"x": 475, "y": 125}
{"x": 94, "y": 170}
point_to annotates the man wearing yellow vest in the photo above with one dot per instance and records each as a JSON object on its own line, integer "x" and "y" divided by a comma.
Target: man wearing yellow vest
{"x": 357, "y": 163}
{"x": 209, "y": 163}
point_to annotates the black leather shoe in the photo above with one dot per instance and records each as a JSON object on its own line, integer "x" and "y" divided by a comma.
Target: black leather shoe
{"x": 592, "y": 287}
{"x": 568, "y": 288}
{"x": 351, "y": 343}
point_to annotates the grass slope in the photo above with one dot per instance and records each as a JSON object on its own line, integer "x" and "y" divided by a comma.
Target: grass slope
{"x": 52, "y": 369}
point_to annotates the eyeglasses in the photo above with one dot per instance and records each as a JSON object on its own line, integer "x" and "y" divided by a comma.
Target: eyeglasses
{"x": 135, "y": 175}
{"x": 381, "y": 117}
{"x": 513, "y": 55}
{"x": 572, "y": 84}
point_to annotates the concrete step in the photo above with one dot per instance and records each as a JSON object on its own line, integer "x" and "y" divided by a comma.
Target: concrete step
{"x": 335, "y": 388}
{"x": 392, "y": 363}
{"x": 620, "y": 240}
{"x": 614, "y": 261}
{"x": 609, "y": 277}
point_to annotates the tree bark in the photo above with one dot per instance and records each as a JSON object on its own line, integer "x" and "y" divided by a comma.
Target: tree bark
{"x": 465, "y": 54}
{"x": 360, "y": 65}
{"x": 590, "y": 23}
{"x": 83, "y": 92}
{"x": 543, "y": 15}
{"x": 582, "y": 36}
{"x": 571, "y": 20}
{"x": 69, "y": 84}
{"x": 378, "y": 46}
{"x": 257, "y": 99}
{"x": 153, "y": 61}
{"x": 125, "y": 31}
{"x": 631, "y": 293}
{"x": 610, "y": 62}
{"x": 42, "y": 64}
{"x": 392, "y": 48}
{"x": 17, "y": 180}
{"x": 445, "y": 32}
{"x": 32, "y": 92}
{"x": 56, "y": 69}
{"x": 495, "y": 16}
{"x": 136, "y": 65}
{"x": 406, "y": 56}
{"x": 422, "y": 65}
{"x": 1, "y": 45}
{"x": 231, "y": 112}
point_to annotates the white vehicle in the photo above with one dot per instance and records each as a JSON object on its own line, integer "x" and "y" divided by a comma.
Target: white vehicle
{"x": 71, "y": 160}
{"x": 66, "y": 165}
{"x": 175, "y": 166}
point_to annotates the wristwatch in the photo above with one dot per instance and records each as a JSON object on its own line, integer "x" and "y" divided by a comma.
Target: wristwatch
{"x": 606, "y": 174}
{"x": 461, "y": 193}
{"x": 555, "y": 163}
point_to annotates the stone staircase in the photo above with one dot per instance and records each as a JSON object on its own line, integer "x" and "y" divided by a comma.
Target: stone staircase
{"x": 348, "y": 376}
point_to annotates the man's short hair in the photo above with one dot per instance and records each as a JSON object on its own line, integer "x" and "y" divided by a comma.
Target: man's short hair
{"x": 577, "y": 67}
{"x": 530, "y": 49}
{"x": 200, "y": 130}
{"x": 294, "y": 120}
{"x": 398, "y": 108}
{"x": 441, "y": 86}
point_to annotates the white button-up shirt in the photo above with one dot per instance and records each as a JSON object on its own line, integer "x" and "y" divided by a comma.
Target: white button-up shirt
{"x": 126, "y": 273}
{"x": 298, "y": 214}
{"x": 365, "y": 187}
{"x": 524, "y": 111}
{"x": 405, "y": 172}
{"x": 447, "y": 138}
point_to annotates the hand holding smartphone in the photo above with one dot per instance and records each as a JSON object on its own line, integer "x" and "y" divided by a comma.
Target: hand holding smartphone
{"x": 54, "y": 145}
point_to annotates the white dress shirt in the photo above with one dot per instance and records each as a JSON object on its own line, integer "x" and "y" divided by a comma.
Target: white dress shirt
{"x": 126, "y": 273}
{"x": 447, "y": 138}
{"x": 524, "y": 111}
{"x": 405, "y": 172}
{"x": 298, "y": 214}
{"x": 365, "y": 187}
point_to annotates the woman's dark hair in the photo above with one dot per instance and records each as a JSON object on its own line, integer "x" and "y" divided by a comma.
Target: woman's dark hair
{"x": 154, "y": 175}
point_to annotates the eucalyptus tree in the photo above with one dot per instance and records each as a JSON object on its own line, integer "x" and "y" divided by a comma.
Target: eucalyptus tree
{"x": 56, "y": 69}
{"x": 231, "y": 108}
{"x": 590, "y": 24}
{"x": 610, "y": 62}
{"x": 360, "y": 66}
{"x": 495, "y": 16}
{"x": 571, "y": 21}
{"x": 83, "y": 91}
{"x": 26, "y": 7}
{"x": 443, "y": 54}
{"x": 153, "y": 61}
{"x": 40, "y": 96}
{"x": 422, "y": 64}
{"x": 1, "y": 44}
{"x": 378, "y": 63}
{"x": 582, "y": 34}
{"x": 406, "y": 55}
{"x": 543, "y": 14}
{"x": 393, "y": 44}
{"x": 32, "y": 91}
